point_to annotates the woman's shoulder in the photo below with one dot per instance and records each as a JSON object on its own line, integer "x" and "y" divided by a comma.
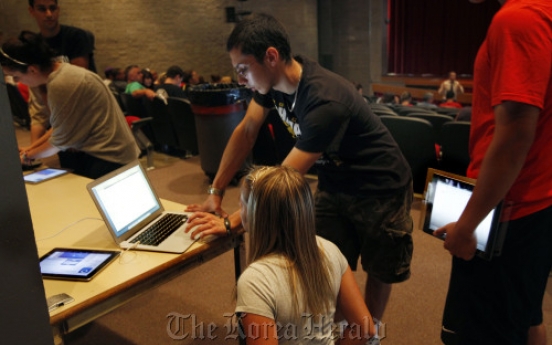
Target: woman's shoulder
{"x": 327, "y": 246}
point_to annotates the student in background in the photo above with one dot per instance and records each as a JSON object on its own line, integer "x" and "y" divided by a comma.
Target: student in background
{"x": 171, "y": 83}
{"x": 405, "y": 99}
{"x": 427, "y": 101}
{"x": 70, "y": 44}
{"x": 450, "y": 102}
{"x": 135, "y": 86}
{"x": 86, "y": 119}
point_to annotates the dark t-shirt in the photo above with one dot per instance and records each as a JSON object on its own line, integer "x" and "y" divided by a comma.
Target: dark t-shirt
{"x": 172, "y": 90}
{"x": 74, "y": 42}
{"x": 360, "y": 157}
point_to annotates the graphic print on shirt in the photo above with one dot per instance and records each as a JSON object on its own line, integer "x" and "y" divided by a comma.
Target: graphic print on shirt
{"x": 290, "y": 121}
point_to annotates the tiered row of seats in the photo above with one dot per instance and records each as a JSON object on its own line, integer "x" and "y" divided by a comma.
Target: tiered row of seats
{"x": 171, "y": 122}
{"x": 428, "y": 138}
{"x": 171, "y": 127}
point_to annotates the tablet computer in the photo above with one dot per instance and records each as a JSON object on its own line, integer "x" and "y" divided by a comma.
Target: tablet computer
{"x": 44, "y": 175}
{"x": 75, "y": 264}
{"x": 446, "y": 196}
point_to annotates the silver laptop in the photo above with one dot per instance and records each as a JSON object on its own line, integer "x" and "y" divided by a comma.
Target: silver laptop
{"x": 446, "y": 196}
{"x": 134, "y": 215}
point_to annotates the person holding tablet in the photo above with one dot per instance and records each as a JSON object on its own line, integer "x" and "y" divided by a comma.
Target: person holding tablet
{"x": 85, "y": 117}
{"x": 296, "y": 281}
{"x": 500, "y": 301}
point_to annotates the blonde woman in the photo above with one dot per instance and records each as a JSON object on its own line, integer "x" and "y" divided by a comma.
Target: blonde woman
{"x": 296, "y": 281}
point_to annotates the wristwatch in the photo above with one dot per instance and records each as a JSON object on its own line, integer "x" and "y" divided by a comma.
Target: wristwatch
{"x": 24, "y": 157}
{"x": 215, "y": 191}
{"x": 227, "y": 225}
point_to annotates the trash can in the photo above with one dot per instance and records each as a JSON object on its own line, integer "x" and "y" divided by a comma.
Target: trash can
{"x": 218, "y": 108}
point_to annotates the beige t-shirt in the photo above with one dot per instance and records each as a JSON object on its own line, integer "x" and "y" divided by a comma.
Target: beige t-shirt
{"x": 85, "y": 116}
{"x": 263, "y": 289}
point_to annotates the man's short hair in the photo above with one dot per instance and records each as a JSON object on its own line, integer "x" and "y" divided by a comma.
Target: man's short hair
{"x": 173, "y": 71}
{"x": 450, "y": 94}
{"x": 127, "y": 69}
{"x": 31, "y": 2}
{"x": 255, "y": 34}
{"x": 428, "y": 97}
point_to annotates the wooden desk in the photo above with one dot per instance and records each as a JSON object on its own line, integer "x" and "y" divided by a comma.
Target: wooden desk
{"x": 64, "y": 215}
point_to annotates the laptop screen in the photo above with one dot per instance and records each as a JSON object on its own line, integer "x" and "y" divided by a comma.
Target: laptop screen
{"x": 446, "y": 196}
{"x": 126, "y": 199}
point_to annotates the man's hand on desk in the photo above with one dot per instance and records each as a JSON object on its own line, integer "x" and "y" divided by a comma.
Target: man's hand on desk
{"x": 205, "y": 224}
{"x": 212, "y": 204}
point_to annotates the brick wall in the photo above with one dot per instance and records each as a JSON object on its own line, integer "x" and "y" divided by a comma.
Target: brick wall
{"x": 160, "y": 33}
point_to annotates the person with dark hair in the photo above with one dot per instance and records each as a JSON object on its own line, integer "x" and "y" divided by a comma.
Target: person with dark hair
{"x": 364, "y": 190}
{"x": 215, "y": 78}
{"x": 501, "y": 301}
{"x": 118, "y": 82}
{"x": 297, "y": 282}
{"x": 135, "y": 80}
{"x": 71, "y": 44}
{"x": 190, "y": 78}
{"x": 405, "y": 99}
{"x": 172, "y": 82}
{"x": 147, "y": 79}
{"x": 108, "y": 73}
{"x": 388, "y": 98}
{"x": 76, "y": 44}
{"x": 450, "y": 102}
{"x": 85, "y": 117}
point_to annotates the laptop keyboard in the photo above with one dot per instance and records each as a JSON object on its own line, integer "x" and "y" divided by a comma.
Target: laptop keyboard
{"x": 161, "y": 229}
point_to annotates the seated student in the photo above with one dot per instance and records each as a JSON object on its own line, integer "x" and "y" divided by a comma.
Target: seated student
{"x": 135, "y": 78}
{"x": 86, "y": 121}
{"x": 450, "y": 102}
{"x": 295, "y": 279}
{"x": 427, "y": 101}
{"x": 147, "y": 78}
{"x": 406, "y": 99}
{"x": 388, "y": 98}
{"x": 464, "y": 114}
{"x": 109, "y": 75}
{"x": 191, "y": 78}
{"x": 118, "y": 83}
{"x": 171, "y": 83}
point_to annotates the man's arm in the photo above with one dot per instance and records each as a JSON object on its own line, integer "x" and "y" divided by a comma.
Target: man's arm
{"x": 237, "y": 149}
{"x": 515, "y": 126}
{"x": 240, "y": 144}
{"x": 145, "y": 92}
{"x": 300, "y": 160}
{"x": 39, "y": 142}
{"x": 442, "y": 89}
{"x": 460, "y": 87}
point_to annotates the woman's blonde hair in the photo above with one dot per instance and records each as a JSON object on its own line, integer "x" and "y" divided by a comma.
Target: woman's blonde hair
{"x": 278, "y": 213}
